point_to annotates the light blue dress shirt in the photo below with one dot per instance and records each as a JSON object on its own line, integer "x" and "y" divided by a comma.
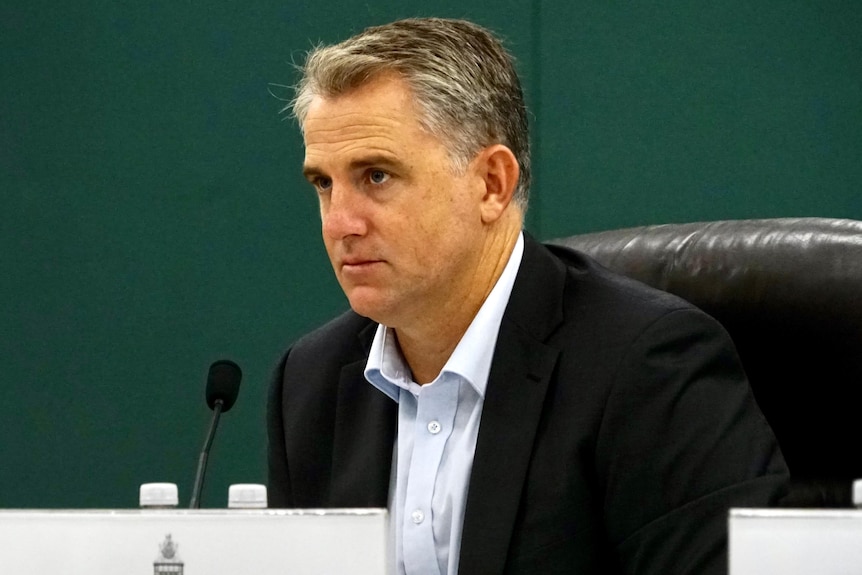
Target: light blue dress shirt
{"x": 438, "y": 424}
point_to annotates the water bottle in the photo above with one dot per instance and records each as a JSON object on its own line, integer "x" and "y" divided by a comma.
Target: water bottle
{"x": 246, "y": 496}
{"x": 159, "y": 496}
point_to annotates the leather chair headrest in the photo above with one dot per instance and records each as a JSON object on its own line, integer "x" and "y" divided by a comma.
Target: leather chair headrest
{"x": 789, "y": 292}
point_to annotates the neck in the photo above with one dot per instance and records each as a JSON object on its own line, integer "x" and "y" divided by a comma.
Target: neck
{"x": 426, "y": 347}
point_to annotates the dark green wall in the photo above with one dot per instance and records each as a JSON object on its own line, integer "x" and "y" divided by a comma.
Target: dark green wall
{"x": 153, "y": 218}
{"x": 686, "y": 111}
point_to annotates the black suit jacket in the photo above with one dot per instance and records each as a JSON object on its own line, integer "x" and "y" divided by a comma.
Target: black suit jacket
{"x": 618, "y": 428}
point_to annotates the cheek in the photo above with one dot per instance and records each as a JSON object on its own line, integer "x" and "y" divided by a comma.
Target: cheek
{"x": 329, "y": 245}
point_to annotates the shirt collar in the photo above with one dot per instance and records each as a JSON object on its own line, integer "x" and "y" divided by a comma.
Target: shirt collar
{"x": 471, "y": 359}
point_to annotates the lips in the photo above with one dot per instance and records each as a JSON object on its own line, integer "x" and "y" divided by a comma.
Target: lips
{"x": 354, "y": 261}
{"x": 358, "y": 264}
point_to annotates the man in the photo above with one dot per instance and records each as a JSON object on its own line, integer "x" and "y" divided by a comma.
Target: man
{"x": 517, "y": 408}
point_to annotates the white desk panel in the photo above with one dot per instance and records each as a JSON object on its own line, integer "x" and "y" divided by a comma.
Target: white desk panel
{"x": 207, "y": 542}
{"x": 795, "y": 542}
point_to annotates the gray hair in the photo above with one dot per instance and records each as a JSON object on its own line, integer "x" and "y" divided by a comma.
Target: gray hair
{"x": 462, "y": 77}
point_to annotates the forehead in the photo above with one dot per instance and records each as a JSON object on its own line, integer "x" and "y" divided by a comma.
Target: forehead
{"x": 383, "y": 102}
{"x": 380, "y": 116}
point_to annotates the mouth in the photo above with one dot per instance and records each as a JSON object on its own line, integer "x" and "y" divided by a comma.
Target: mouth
{"x": 358, "y": 265}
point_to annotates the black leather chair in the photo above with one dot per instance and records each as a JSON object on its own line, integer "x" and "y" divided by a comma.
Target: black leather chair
{"x": 789, "y": 292}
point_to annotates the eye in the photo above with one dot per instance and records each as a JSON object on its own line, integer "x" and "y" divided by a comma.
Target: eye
{"x": 378, "y": 176}
{"x": 322, "y": 183}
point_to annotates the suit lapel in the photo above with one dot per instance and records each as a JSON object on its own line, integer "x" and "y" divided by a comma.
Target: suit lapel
{"x": 517, "y": 385}
{"x": 363, "y": 438}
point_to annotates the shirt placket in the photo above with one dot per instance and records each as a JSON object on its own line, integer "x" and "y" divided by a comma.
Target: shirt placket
{"x": 435, "y": 415}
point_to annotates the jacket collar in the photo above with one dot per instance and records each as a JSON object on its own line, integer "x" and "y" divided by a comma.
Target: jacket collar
{"x": 363, "y": 437}
{"x": 517, "y": 385}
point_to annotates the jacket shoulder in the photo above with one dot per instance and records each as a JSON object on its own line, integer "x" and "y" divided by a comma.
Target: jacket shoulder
{"x": 611, "y": 293}
{"x": 310, "y": 370}
{"x": 338, "y": 338}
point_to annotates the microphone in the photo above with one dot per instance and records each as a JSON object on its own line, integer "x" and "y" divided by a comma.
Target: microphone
{"x": 222, "y": 389}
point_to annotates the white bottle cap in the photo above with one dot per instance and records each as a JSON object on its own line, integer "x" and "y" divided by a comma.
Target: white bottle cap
{"x": 857, "y": 493}
{"x": 159, "y": 495}
{"x": 246, "y": 496}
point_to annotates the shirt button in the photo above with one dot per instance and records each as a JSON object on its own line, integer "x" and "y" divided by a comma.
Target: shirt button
{"x": 418, "y": 516}
{"x": 434, "y": 427}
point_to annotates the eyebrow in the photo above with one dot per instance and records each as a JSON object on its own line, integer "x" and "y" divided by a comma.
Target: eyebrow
{"x": 310, "y": 172}
{"x": 382, "y": 160}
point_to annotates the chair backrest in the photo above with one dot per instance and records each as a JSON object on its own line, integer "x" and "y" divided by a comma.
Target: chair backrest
{"x": 789, "y": 292}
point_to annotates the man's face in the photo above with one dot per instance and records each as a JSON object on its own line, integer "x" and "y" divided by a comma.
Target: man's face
{"x": 401, "y": 227}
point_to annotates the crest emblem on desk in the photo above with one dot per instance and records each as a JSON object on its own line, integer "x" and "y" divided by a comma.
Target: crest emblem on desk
{"x": 168, "y": 560}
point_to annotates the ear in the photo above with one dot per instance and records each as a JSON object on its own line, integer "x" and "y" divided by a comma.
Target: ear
{"x": 499, "y": 170}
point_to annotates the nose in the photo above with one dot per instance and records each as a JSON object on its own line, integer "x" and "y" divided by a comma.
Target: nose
{"x": 342, "y": 213}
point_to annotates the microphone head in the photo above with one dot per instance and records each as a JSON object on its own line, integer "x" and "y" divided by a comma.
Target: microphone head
{"x": 223, "y": 383}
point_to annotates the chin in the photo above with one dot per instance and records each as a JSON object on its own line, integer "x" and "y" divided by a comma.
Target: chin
{"x": 383, "y": 304}
{"x": 367, "y": 307}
